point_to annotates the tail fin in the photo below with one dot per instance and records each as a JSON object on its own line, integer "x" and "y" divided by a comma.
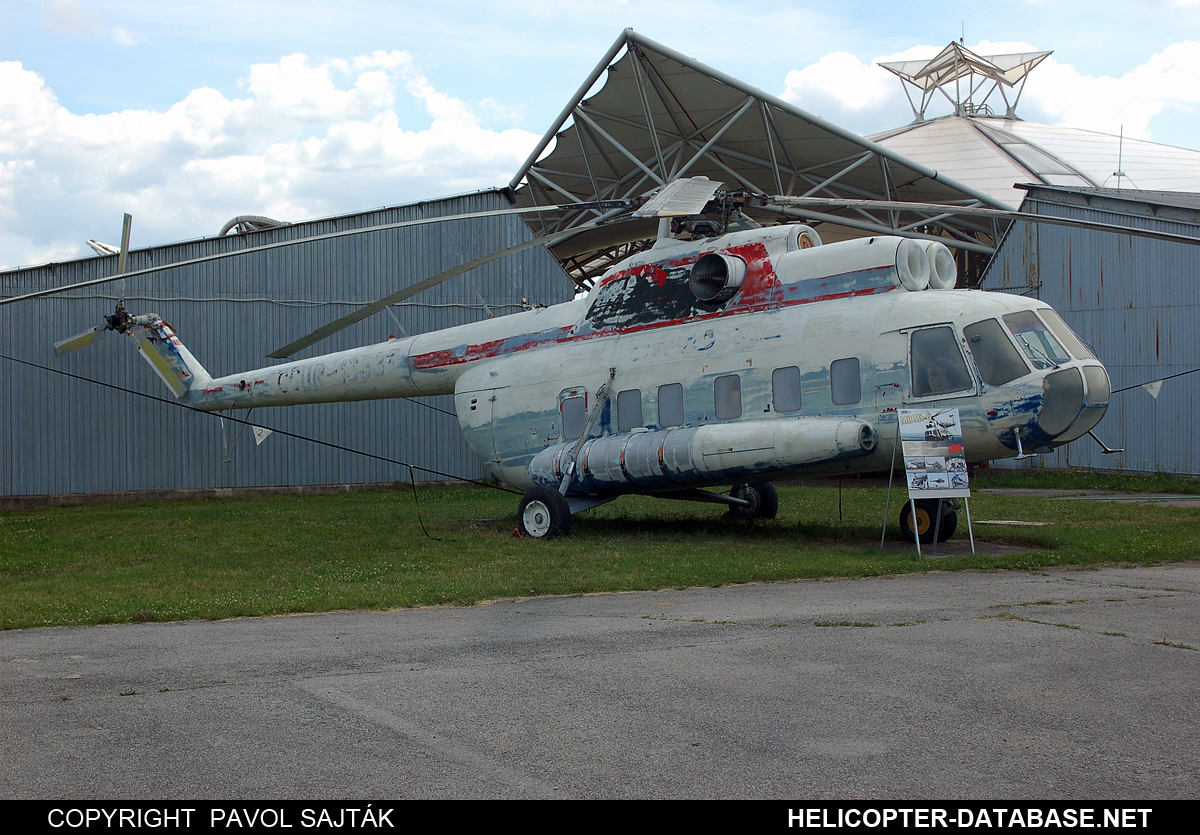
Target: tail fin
{"x": 171, "y": 361}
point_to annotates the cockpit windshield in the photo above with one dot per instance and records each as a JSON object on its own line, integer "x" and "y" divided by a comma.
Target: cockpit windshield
{"x": 1039, "y": 345}
{"x": 994, "y": 354}
{"x": 1066, "y": 336}
{"x": 937, "y": 363}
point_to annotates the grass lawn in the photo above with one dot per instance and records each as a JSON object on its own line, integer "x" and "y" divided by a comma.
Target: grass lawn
{"x": 221, "y": 558}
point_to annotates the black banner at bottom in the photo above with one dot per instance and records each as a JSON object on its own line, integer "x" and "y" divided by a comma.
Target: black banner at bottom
{"x": 764, "y": 816}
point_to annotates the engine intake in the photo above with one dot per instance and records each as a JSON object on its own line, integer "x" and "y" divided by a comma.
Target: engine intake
{"x": 943, "y": 272}
{"x": 716, "y": 277}
{"x": 912, "y": 265}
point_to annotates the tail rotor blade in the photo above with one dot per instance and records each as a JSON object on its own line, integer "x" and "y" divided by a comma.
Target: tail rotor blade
{"x": 80, "y": 340}
{"x": 123, "y": 256}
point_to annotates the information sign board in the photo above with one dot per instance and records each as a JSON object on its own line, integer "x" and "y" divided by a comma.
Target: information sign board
{"x": 934, "y": 462}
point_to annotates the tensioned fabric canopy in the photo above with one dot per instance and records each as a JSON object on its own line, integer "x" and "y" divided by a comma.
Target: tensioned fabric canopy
{"x": 970, "y": 75}
{"x": 956, "y": 62}
{"x": 660, "y": 116}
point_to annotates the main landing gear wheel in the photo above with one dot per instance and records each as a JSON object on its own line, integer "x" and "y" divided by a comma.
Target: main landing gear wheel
{"x": 926, "y": 518}
{"x": 764, "y": 501}
{"x": 544, "y": 514}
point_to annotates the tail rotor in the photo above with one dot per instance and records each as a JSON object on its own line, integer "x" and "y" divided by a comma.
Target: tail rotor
{"x": 120, "y": 321}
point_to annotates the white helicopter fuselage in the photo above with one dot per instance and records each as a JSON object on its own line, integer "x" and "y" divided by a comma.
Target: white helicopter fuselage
{"x": 797, "y": 366}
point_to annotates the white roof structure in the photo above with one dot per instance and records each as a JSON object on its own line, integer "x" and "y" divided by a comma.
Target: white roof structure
{"x": 659, "y": 116}
{"x": 990, "y": 153}
{"x": 956, "y": 61}
{"x": 958, "y": 65}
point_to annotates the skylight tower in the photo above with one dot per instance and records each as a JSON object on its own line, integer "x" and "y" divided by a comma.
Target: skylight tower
{"x": 970, "y": 74}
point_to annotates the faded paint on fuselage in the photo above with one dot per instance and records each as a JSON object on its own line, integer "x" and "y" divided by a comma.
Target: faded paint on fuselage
{"x": 642, "y": 325}
{"x": 523, "y": 393}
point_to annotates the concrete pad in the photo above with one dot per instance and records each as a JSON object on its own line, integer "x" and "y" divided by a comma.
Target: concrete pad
{"x": 1049, "y": 684}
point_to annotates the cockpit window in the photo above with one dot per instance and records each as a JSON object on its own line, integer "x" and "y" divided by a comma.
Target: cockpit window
{"x": 937, "y": 363}
{"x": 1043, "y": 350}
{"x": 998, "y": 360}
{"x": 1066, "y": 336}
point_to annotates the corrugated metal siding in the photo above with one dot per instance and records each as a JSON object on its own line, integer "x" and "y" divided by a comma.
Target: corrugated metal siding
{"x": 62, "y": 435}
{"x": 1137, "y": 302}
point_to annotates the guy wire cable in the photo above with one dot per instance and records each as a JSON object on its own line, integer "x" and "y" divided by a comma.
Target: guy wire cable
{"x": 284, "y": 432}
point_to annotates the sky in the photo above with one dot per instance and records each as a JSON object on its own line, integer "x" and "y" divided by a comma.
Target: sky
{"x": 188, "y": 114}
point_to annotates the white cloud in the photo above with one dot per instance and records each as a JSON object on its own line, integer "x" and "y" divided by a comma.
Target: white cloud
{"x": 851, "y": 94}
{"x": 295, "y": 90}
{"x": 68, "y": 17}
{"x": 859, "y": 85}
{"x": 307, "y": 139}
{"x": 499, "y": 111}
{"x": 126, "y": 38}
{"x": 867, "y": 98}
{"x": 1170, "y": 79}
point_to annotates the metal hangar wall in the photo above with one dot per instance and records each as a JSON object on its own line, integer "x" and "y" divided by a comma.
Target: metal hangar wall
{"x": 1135, "y": 300}
{"x": 68, "y": 434}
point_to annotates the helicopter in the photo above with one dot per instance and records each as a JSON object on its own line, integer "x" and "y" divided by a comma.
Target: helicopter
{"x": 724, "y": 357}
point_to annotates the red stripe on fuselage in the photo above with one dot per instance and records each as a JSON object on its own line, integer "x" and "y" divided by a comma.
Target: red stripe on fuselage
{"x": 484, "y": 350}
{"x": 760, "y": 281}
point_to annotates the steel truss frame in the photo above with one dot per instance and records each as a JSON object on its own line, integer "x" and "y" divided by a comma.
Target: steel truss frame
{"x": 661, "y": 115}
{"x": 957, "y": 64}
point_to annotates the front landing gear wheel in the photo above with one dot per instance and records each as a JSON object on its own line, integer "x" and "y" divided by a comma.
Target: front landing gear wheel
{"x": 544, "y": 514}
{"x": 926, "y": 519}
{"x": 764, "y": 501}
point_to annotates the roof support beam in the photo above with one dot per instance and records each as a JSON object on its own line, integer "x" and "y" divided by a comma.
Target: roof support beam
{"x": 925, "y": 221}
{"x": 571, "y": 197}
{"x": 575, "y": 175}
{"x": 585, "y": 130}
{"x": 703, "y": 151}
{"x": 741, "y": 179}
{"x": 837, "y": 220}
{"x": 662, "y": 93}
{"x": 579, "y": 114}
{"x": 830, "y": 180}
{"x": 762, "y": 106}
{"x": 587, "y": 161}
{"x": 641, "y": 86}
{"x": 592, "y": 78}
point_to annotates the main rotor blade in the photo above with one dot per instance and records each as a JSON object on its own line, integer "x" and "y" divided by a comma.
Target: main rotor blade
{"x": 80, "y": 285}
{"x": 123, "y": 256}
{"x": 945, "y": 210}
{"x": 80, "y": 340}
{"x": 411, "y": 290}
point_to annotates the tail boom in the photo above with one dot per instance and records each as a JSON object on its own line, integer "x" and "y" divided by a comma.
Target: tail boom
{"x": 166, "y": 355}
{"x": 416, "y": 366}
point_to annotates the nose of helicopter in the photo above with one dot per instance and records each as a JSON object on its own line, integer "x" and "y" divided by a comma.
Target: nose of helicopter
{"x": 1073, "y": 401}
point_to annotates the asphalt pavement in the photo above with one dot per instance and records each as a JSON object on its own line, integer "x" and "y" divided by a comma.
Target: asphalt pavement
{"x": 1063, "y": 684}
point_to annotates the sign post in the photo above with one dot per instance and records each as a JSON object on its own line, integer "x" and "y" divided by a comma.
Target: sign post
{"x": 934, "y": 463}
